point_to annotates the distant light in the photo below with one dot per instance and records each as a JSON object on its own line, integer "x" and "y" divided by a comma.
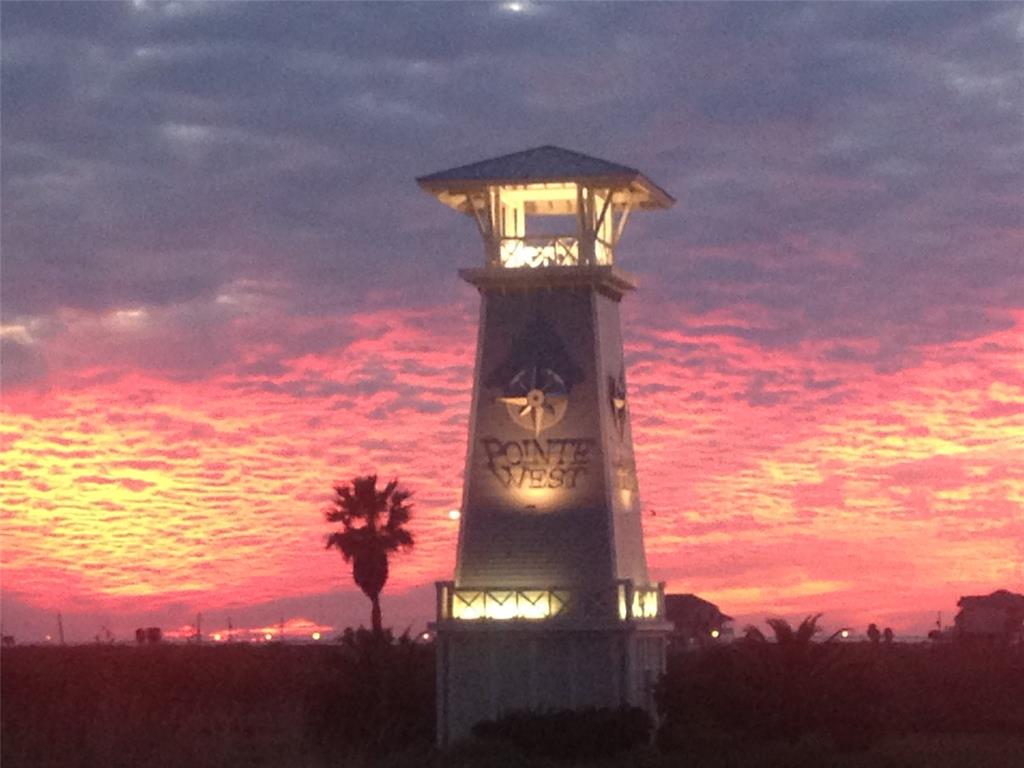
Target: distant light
{"x": 715, "y": 633}
{"x": 454, "y": 514}
{"x": 844, "y": 634}
{"x": 515, "y": 7}
{"x": 425, "y": 636}
{"x": 48, "y": 638}
{"x": 315, "y": 635}
{"x": 268, "y": 636}
{"x": 216, "y": 636}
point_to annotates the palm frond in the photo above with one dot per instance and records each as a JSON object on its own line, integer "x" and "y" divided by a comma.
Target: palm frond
{"x": 753, "y": 634}
{"x": 398, "y": 539}
{"x": 808, "y": 629}
{"x": 783, "y": 631}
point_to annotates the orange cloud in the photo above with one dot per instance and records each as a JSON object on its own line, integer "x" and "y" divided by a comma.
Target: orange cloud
{"x": 774, "y": 478}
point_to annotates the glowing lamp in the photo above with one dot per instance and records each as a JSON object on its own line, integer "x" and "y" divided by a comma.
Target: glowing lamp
{"x": 715, "y": 633}
{"x": 268, "y": 636}
{"x": 216, "y": 636}
{"x": 315, "y": 635}
{"x": 454, "y": 514}
{"x": 844, "y": 634}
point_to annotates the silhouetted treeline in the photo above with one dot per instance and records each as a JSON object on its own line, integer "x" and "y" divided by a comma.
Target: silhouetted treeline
{"x": 168, "y": 705}
{"x": 856, "y": 694}
{"x": 367, "y": 701}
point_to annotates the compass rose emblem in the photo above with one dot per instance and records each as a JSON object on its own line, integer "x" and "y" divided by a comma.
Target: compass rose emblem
{"x": 536, "y": 398}
{"x": 535, "y": 377}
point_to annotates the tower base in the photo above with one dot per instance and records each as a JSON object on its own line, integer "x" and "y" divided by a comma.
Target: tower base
{"x": 485, "y": 671}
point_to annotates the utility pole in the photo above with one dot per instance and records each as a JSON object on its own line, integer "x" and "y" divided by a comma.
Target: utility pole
{"x": 199, "y": 627}
{"x": 231, "y": 631}
{"x": 60, "y": 628}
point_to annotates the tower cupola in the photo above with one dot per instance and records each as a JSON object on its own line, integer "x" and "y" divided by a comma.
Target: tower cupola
{"x": 547, "y": 207}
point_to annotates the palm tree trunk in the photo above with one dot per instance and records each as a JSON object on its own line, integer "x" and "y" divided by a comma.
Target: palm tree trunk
{"x": 375, "y": 615}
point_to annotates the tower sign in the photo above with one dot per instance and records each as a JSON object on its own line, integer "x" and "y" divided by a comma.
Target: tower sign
{"x": 551, "y": 606}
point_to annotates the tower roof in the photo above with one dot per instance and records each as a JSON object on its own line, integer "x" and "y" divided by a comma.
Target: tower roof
{"x": 547, "y": 164}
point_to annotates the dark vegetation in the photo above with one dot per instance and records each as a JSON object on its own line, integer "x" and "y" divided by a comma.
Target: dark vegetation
{"x": 368, "y": 700}
{"x": 237, "y": 704}
{"x": 851, "y": 696}
{"x": 566, "y": 735}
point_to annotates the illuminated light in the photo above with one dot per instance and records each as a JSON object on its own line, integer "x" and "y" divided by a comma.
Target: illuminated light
{"x": 268, "y": 636}
{"x": 715, "y": 633}
{"x": 844, "y": 634}
{"x": 425, "y": 636}
{"x": 505, "y": 604}
{"x": 547, "y": 251}
{"x": 315, "y": 635}
{"x": 645, "y": 604}
{"x": 48, "y": 638}
{"x": 216, "y": 636}
{"x": 651, "y": 604}
{"x": 514, "y": 7}
{"x": 500, "y": 605}
{"x": 538, "y": 605}
{"x": 454, "y": 514}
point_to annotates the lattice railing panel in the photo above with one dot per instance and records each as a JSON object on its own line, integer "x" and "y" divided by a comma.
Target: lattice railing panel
{"x": 620, "y": 601}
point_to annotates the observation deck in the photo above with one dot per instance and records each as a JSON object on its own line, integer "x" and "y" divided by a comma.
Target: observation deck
{"x": 548, "y": 206}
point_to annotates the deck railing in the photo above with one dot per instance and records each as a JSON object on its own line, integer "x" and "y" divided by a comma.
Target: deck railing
{"x": 548, "y": 251}
{"x": 622, "y": 600}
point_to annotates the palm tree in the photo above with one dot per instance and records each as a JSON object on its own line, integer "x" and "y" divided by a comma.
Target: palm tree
{"x": 791, "y": 674}
{"x": 785, "y": 635}
{"x": 372, "y": 528}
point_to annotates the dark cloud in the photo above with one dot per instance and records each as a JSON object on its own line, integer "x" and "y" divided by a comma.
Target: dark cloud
{"x": 854, "y": 169}
{"x": 20, "y": 364}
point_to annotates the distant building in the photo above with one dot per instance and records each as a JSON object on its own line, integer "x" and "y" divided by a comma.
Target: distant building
{"x": 998, "y": 617}
{"x": 696, "y": 622}
{"x": 148, "y": 635}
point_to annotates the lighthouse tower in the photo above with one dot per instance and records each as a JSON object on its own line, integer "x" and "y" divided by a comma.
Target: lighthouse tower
{"x": 551, "y": 606}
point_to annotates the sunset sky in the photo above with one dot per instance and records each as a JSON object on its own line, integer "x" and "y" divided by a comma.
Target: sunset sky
{"x": 222, "y": 291}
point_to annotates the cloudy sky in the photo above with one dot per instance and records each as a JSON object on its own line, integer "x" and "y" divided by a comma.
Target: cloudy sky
{"x": 222, "y": 291}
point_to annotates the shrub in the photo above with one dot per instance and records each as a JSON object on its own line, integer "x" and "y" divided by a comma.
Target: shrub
{"x": 567, "y": 735}
{"x": 854, "y": 694}
{"x": 376, "y": 696}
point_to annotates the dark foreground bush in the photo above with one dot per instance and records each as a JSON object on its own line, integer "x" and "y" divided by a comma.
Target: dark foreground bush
{"x": 375, "y": 696}
{"x": 207, "y": 706}
{"x": 854, "y": 695}
{"x": 566, "y": 735}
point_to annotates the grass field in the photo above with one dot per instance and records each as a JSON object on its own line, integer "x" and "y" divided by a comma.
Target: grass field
{"x": 335, "y": 705}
